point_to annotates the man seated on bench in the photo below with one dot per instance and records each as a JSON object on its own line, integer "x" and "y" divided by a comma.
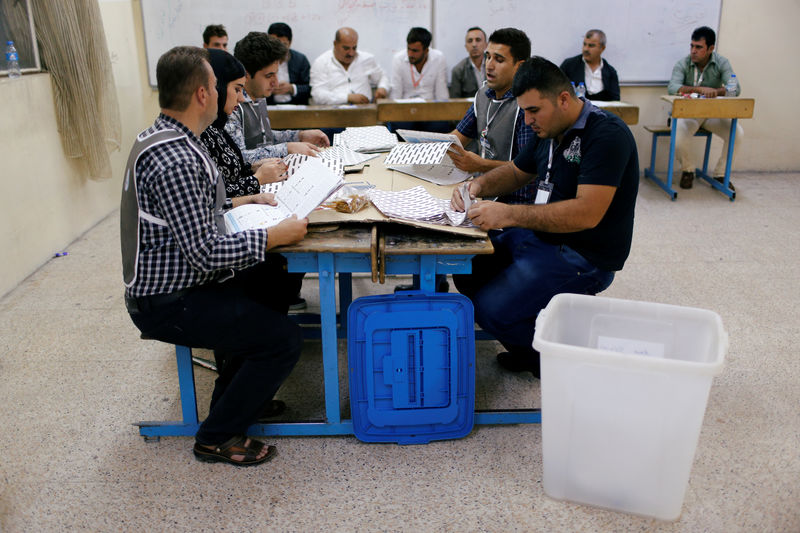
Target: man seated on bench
{"x": 189, "y": 283}
{"x": 703, "y": 72}
{"x": 576, "y": 232}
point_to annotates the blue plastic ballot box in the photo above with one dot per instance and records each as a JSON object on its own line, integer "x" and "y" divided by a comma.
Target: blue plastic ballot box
{"x": 411, "y": 361}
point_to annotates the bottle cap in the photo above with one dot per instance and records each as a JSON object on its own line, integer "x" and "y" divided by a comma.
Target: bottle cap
{"x": 10, "y": 43}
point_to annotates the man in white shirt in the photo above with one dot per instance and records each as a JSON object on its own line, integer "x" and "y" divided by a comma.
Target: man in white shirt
{"x": 345, "y": 75}
{"x": 420, "y": 71}
{"x": 600, "y": 78}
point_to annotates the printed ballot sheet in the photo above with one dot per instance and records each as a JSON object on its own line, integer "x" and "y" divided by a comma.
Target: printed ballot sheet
{"x": 426, "y": 160}
{"x": 418, "y": 204}
{"x": 294, "y": 161}
{"x": 308, "y": 186}
{"x": 347, "y": 156}
{"x": 366, "y": 139}
{"x": 414, "y": 136}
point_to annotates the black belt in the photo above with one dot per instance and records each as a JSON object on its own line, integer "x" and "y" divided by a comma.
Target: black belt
{"x": 139, "y": 304}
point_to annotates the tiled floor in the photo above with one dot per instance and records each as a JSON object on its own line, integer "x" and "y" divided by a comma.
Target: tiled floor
{"x": 74, "y": 376}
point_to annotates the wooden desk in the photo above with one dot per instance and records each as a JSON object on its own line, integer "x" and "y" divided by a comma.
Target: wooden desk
{"x": 629, "y": 113}
{"x": 721, "y": 107}
{"x": 453, "y": 109}
{"x": 322, "y": 116}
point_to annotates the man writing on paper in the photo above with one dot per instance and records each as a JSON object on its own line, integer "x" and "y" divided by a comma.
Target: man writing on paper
{"x": 469, "y": 74}
{"x": 706, "y": 73}
{"x": 294, "y": 72}
{"x": 249, "y": 124}
{"x": 346, "y": 75}
{"x": 574, "y": 235}
{"x": 599, "y": 77}
{"x": 495, "y": 121}
{"x": 189, "y": 283}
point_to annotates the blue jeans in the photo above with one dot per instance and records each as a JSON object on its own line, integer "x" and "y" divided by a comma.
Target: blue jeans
{"x": 511, "y": 286}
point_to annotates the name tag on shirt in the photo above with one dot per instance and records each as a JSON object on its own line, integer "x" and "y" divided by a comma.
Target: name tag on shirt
{"x": 543, "y": 192}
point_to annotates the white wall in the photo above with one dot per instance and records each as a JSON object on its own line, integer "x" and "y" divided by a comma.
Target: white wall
{"x": 46, "y": 202}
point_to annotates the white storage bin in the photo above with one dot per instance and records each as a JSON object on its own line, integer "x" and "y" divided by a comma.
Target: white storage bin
{"x": 624, "y": 391}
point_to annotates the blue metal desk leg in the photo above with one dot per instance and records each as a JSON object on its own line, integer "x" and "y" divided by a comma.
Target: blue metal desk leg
{"x": 330, "y": 349}
{"x": 427, "y": 273}
{"x": 729, "y": 162}
{"x": 671, "y": 166}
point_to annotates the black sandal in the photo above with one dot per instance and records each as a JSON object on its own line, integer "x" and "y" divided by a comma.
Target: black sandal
{"x": 235, "y": 446}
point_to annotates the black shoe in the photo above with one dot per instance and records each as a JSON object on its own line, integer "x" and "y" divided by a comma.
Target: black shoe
{"x": 687, "y": 179}
{"x": 519, "y": 363}
{"x": 721, "y": 180}
{"x": 444, "y": 286}
{"x": 297, "y": 304}
{"x": 405, "y": 287}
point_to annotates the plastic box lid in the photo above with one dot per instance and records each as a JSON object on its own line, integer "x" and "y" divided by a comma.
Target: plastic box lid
{"x": 412, "y": 367}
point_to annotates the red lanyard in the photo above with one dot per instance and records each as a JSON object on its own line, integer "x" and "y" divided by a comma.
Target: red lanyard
{"x": 414, "y": 82}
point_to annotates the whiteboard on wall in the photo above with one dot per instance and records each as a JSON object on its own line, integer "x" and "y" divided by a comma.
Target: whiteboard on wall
{"x": 644, "y": 37}
{"x": 382, "y": 25}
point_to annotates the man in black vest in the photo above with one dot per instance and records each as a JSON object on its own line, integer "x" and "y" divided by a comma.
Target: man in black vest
{"x": 494, "y": 121}
{"x": 576, "y": 232}
{"x": 599, "y": 77}
{"x": 189, "y": 283}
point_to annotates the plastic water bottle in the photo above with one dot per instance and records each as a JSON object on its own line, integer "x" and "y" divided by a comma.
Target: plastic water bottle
{"x": 732, "y": 86}
{"x": 12, "y": 61}
{"x": 581, "y": 91}
{"x": 574, "y": 89}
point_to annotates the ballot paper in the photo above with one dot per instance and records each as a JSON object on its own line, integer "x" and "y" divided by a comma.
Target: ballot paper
{"x": 366, "y": 139}
{"x": 347, "y": 156}
{"x": 310, "y": 184}
{"x": 426, "y": 160}
{"x": 417, "y": 204}
{"x": 294, "y": 161}
{"x": 414, "y": 136}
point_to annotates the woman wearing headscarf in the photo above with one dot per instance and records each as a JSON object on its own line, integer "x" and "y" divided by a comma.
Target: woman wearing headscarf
{"x": 240, "y": 178}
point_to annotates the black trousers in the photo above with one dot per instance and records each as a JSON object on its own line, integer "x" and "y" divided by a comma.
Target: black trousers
{"x": 255, "y": 345}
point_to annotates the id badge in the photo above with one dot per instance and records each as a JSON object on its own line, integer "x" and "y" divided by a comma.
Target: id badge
{"x": 543, "y": 191}
{"x": 486, "y": 148}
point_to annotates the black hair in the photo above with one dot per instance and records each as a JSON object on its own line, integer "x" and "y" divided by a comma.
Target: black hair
{"x": 257, "y": 50}
{"x": 479, "y": 29}
{"x": 419, "y": 35}
{"x": 280, "y": 29}
{"x": 179, "y": 73}
{"x": 226, "y": 68}
{"x": 704, "y": 32}
{"x": 515, "y": 39}
{"x": 214, "y": 30}
{"x": 542, "y": 75}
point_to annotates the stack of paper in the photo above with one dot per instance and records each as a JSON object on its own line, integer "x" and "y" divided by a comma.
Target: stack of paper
{"x": 309, "y": 185}
{"x": 366, "y": 139}
{"x": 414, "y": 136}
{"x": 294, "y": 161}
{"x": 426, "y": 160}
{"x": 417, "y": 204}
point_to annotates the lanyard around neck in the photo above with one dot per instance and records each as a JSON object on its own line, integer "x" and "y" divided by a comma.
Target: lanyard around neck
{"x": 489, "y": 119}
{"x": 549, "y": 162}
{"x": 416, "y": 82}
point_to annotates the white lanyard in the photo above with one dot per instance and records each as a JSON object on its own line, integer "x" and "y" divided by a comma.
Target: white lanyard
{"x": 697, "y": 82}
{"x": 549, "y": 162}
{"x": 489, "y": 120}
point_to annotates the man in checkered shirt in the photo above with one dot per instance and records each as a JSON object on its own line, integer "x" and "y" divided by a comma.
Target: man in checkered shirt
{"x": 189, "y": 283}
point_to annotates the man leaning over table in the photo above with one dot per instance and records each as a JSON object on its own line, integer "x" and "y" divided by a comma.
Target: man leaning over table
{"x": 703, "y": 72}
{"x": 469, "y": 74}
{"x": 495, "y": 122}
{"x": 249, "y": 124}
{"x": 574, "y": 235}
{"x": 187, "y": 282}
{"x": 346, "y": 75}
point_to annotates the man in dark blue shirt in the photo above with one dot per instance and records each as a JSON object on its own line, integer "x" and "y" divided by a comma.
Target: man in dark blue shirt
{"x": 577, "y": 232}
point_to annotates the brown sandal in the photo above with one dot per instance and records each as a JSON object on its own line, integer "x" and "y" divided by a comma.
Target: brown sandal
{"x": 235, "y": 446}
